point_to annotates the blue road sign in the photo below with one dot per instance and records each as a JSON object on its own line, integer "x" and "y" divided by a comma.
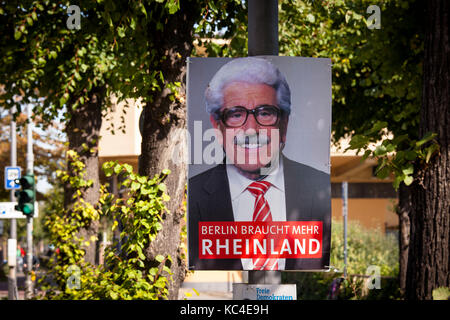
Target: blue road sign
{"x": 11, "y": 174}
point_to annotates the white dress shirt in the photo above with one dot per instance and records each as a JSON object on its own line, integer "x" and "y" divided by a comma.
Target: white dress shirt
{"x": 243, "y": 201}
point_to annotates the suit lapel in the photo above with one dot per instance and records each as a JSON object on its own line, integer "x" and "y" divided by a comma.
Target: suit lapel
{"x": 218, "y": 206}
{"x": 297, "y": 193}
{"x": 297, "y": 201}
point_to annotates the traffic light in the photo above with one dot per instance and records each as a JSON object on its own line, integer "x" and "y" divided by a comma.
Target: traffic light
{"x": 26, "y": 196}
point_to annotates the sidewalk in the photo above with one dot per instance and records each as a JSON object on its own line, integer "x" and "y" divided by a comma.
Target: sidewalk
{"x": 201, "y": 285}
{"x": 189, "y": 294}
{"x": 209, "y": 285}
{"x": 20, "y": 287}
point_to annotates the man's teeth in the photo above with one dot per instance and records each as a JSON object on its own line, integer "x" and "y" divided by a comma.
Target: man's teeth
{"x": 251, "y": 145}
{"x": 253, "y": 142}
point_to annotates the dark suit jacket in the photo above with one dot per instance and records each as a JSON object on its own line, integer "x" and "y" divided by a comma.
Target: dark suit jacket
{"x": 307, "y": 193}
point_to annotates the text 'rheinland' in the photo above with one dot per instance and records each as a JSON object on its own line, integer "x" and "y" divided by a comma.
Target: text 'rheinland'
{"x": 233, "y": 240}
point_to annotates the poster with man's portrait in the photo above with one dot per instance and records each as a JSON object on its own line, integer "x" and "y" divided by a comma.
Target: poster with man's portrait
{"x": 259, "y": 163}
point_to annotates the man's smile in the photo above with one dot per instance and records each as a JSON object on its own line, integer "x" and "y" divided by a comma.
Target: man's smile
{"x": 251, "y": 141}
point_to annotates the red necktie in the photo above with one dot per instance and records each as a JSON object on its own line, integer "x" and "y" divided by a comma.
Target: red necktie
{"x": 262, "y": 213}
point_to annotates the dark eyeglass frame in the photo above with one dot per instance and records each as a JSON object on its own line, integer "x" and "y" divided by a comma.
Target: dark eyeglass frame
{"x": 279, "y": 112}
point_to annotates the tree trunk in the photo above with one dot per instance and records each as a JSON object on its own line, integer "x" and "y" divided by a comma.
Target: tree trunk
{"x": 403, "y": 211}
{"x": 428, "y": 261}
{"x": 164, "y": 124}
{"x": 83, "y": 133}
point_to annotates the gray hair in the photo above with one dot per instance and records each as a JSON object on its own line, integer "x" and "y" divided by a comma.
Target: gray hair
{"x": 251, "y": 70}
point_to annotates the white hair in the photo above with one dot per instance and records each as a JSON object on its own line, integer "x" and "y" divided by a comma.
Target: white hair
{"x": 251, "y": 70}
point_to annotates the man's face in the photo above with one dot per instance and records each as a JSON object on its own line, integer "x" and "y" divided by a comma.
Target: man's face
{"x": 252, "y": 145}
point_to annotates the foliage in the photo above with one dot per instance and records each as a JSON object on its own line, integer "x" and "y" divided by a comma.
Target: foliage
{"x": 223, "y": 20}
{"x": 48, "y": 149}
{"x": 396, "y": 155}
{"x": 376, "y": 75}
{"x": 365, "y": 247}
{"x": 63, "y": 226}
{"x": 441, "y": 293}
{"x": 42, "y": 58}
{"x": 127, "y": 273}
{"x": 140, "y": 217}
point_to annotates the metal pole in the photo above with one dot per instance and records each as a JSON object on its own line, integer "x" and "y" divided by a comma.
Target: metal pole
{"x": 12, "y": 276}
{"x": 30, "y": 169}
{"x": 262, "y": 27}
{"x": 263, "y": 40}
{"x": 344, "y": 215}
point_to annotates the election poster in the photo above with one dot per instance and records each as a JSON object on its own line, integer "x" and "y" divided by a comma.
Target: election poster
{"x": 259, "y": 195}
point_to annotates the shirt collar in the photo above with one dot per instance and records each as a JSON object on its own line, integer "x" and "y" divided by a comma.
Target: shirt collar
{"x": 238, "y": 183}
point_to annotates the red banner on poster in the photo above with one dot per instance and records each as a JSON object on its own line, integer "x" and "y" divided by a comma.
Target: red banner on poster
{"x": 234, "y": 240}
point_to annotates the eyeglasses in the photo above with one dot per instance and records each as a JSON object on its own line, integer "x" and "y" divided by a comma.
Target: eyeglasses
{"x": 265, "y": 115}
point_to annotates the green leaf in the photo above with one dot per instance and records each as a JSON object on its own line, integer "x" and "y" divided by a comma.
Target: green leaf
{"x": 17, "y": 34}
{"x": 397, "y": 180}
{"x": 380, "y": 151}
{"x": 367, "y": 153}
{"x": 174, "y": 6}
{"x": 410, "y": 155}
{"x": 141, "y": 255}
{"x": 143, "y": 10}
{"x": 77, "y": 76}
{"x": 128, "y": 168}
{"x": 113, "y": 295}
{"x": 390, "y": 147}
{"x": 427, "y": 137}
{"x": 121, "y": 32}
{"x": 399, "y": 139}
{"x": 117, "y": 168}
{"x": 135, "y": 186}
{"x": 400, "y": 156}
{"x": 153, "y": 271}
{"x": 62, "y": 100}
{"x": 160, "y": 283}
{"x": 409, "y": 170}
{"x": 408, "y": 180}
{"x": 133, "y": 23}
{"x": 159, "y": 258}
{"x": 377, "y": 126}
{"x": 141, "y": 179}
{"x": 165, "y": 197}
{"x": 383, "y": 173}
{"x": 108, "y": 171}
{"x": 347, "y": 17}
{"x": 430, "y": 151}
{"x": 358, "y": 142}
